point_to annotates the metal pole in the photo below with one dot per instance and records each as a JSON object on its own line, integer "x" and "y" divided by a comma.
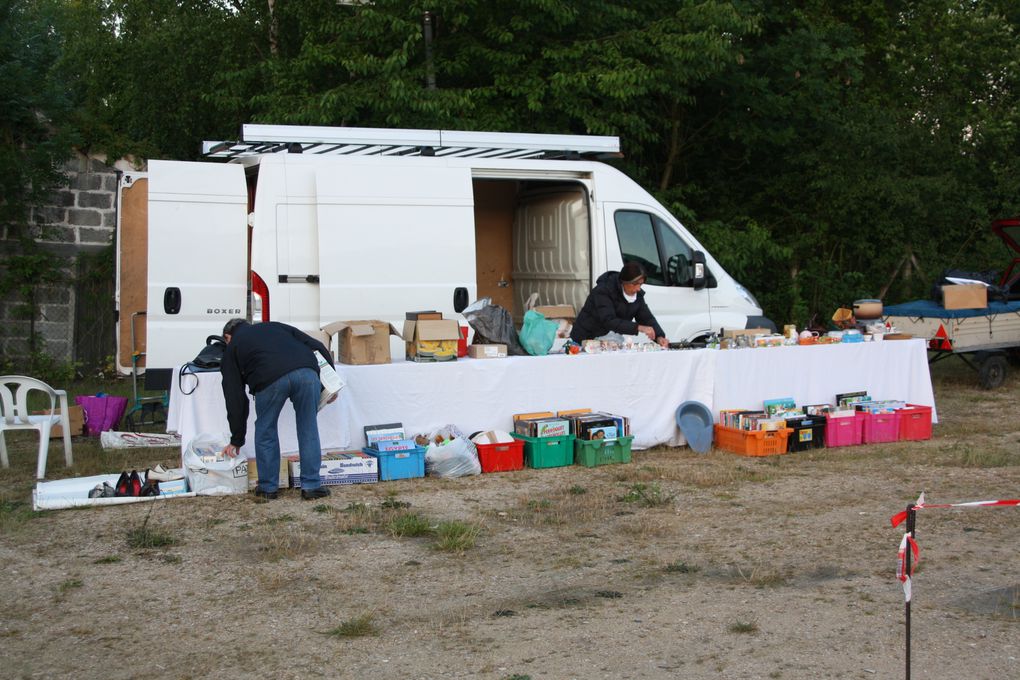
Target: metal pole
{"x": 430, "y": 71}
{"x": 911, "y": 516}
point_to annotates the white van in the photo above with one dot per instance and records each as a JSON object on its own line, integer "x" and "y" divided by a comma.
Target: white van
{"x": 313, "y": 225}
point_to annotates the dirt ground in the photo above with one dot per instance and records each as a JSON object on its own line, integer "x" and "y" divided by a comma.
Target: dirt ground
{"x": 677, "y": 565}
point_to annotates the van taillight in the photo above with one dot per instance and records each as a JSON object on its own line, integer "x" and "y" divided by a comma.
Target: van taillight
{"x": 259, "y": 298}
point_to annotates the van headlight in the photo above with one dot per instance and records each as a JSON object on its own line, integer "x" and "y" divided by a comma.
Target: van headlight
{"x": 746, "y": 294}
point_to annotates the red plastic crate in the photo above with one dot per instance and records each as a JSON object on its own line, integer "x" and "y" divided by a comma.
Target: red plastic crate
{"x": 501, "y": 457}
{"x": 846, "y": 431}
{"x": 880, "y": 428}
{"x": 915, "y": 422}
{"x": 752, "y": 442}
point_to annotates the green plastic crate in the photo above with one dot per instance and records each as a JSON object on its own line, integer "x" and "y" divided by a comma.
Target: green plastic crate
{"x": 592, "y": 452}
{"x": 547, "y": 452}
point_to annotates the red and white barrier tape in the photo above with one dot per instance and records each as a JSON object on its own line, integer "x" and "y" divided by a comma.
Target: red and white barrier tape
{"x": 908, "y": 542}
{"x": 900, "y": 517}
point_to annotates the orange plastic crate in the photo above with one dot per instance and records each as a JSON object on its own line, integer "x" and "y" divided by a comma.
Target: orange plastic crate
{"x": 752, "y": 442}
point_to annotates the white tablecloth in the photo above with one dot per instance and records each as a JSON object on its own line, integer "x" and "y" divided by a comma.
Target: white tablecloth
{"x": 892, "y": 369}
{"x": 204, "y": 412}
{"x": 483, "y": 394}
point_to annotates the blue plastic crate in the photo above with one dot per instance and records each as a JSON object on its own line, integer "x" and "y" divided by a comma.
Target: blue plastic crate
{"x": 399, "y": 464}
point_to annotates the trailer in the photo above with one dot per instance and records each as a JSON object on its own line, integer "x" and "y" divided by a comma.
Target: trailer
{"x": 987, "y": 339}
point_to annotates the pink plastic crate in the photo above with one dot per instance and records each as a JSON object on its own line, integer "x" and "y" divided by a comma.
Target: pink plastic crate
{"x": 846, "y": 431}
{"x": 880, "y": 428}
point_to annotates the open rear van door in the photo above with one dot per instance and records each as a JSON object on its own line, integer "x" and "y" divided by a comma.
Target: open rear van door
{"x": 394, "y": 239}
{"x": 197, "y": 256}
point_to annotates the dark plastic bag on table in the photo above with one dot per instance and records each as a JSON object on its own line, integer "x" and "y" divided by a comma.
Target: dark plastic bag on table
{"x": 492, "y": 325}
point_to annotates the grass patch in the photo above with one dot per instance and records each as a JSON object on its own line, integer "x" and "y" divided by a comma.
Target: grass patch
{"x": 14, "y": 515}
{"x": 409, "y": 525}
{"x": 647, "y": 495}
{"x": 359, "y": 626}
{"x": 680, "y": 567}
{"x": 109, "y": 559}
{"x": 281, "y": 519}
{"x": 393, "y": 503}
{"x": 145, "y": 538}
{"x": 743, "y": 627}
{"x": 277, "y": 546}
{"x": 968, "y": 456}
{"x": 455, "y": 536}
{"x": 69, "y": 584}
{"x": 322, "y": 507}
{"x": 577, "y": 490}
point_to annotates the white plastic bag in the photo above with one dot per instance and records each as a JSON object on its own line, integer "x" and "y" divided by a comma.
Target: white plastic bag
{"x": 456, "y": 457}
{"x": 209, "y": 472}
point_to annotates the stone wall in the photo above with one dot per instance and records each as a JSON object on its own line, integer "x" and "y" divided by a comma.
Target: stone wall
{"x": 80, "y": 217}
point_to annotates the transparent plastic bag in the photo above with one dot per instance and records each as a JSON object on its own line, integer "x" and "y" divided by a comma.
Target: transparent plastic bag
{"x": 456, "y": 456}
{"x": 492, "y": 325}
{"x": 538, "y": 333}
{"x": 209, "y": 472}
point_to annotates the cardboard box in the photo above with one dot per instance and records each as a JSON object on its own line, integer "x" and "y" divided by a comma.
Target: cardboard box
{"x": 76, "y": 420}
{"x": 341, "y": 467}
{"x": 423, "y": 316}
{"x": 178, "y": 486}
{"x": 431, "y": 340}
{"x": 362, "y": 342}
{"x": 557, "y": 311}
{"x": 734, "y": 332}
{"x": 253, "y": 472}
{"x": 965, "y": 296}
{"x": 487, "y": 351}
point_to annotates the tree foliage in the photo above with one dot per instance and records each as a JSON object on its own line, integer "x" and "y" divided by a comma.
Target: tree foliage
{"x": 822, "y": 150}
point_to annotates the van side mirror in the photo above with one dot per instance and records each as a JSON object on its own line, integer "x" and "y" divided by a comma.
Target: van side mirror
{"x": 460, "y": 299}
{"x": 699, "y": 271}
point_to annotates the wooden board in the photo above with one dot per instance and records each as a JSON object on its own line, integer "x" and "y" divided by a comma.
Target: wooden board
{"x": 494, "y": 223}
{"x": 134, "y": 266}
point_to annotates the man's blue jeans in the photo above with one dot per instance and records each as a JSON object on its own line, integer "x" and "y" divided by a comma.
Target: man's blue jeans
{"x": 302, "y": 387}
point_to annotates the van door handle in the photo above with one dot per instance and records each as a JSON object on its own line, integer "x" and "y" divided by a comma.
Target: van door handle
{"x": 460, "y": 299}
{"x": 172, "y": 300}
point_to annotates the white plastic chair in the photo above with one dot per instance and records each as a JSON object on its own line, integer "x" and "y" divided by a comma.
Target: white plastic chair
{"x": 14, "y": 415}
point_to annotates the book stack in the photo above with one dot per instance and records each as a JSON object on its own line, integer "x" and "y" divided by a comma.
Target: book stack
{"x": 598, "y": 425}
{"x": 388, "y": 437}
{"x": 542, "y": 426}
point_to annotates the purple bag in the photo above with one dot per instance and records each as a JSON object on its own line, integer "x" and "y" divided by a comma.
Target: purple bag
{"x": 102, "y": 412}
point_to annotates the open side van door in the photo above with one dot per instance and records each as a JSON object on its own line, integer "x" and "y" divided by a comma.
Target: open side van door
{"x": 197, "y": 256}
{"x": 394, "y": 239}
{"x": 679, "y": 282}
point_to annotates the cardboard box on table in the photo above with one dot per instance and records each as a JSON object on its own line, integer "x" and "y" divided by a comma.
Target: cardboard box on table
{"x": 487, "y": 351}
{"x": 965, "y": 296}
{"x": 362, "y": 342}
{"x": 431, "y": 340}
{"x": 76, "y": 420}
{"x": 557, "y": 312}
{"x": 751, "y": 332}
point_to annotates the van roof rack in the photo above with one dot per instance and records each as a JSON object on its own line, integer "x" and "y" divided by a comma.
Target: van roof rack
{"x": 353, "y": 141}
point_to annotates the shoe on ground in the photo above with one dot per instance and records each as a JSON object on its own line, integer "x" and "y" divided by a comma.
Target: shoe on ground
{"x": 164, "y": 474}
{"x": 266, "y": 495}
{"x": 123, "y": 487}
{"x": 313, "y": 494}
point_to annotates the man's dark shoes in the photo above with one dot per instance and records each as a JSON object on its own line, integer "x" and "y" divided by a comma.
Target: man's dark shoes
{"x": 266, "y": 495}
{"x": 313, "y": 494}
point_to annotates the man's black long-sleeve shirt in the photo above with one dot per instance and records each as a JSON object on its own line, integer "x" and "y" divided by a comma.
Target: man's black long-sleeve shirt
{"x": 259, "y": 354}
